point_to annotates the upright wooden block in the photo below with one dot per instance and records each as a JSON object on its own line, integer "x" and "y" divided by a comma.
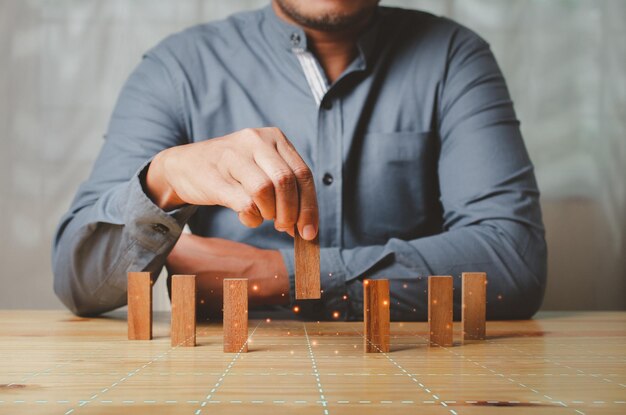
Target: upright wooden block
{"x": 440, "y": 303}
{"x": 307, "y": 267}
{"x": 139, "y": 306}
{"x": 183, "y": 330}
{"x": 376, "y": 315}
{"x": 235, "y": 315}
{"x": 474, "y": 306}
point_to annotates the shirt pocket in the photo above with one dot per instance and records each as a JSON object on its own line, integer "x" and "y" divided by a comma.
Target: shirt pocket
{"x": 397, "y": 186}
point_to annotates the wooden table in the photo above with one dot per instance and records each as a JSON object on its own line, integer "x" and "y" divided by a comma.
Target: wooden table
{"x": 559, "y": 363}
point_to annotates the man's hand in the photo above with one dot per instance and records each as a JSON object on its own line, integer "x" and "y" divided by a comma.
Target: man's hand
{"x": 255, "y": 172}
{"x": 213, "y": 259}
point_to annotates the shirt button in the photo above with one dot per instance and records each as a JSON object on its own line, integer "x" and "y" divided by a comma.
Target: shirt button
{"x": 327, "y": 104}
{"x": 160, "y": 228}
{"x": 295, "y": 39}
{"x": 327, "y": 179}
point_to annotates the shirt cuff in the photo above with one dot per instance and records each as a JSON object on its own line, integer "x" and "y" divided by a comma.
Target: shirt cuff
{"x": 150, "y": 225}
{"x": 150, "y": 231}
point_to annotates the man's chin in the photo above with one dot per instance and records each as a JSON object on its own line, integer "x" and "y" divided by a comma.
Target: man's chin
{"x": 330, "y": 17}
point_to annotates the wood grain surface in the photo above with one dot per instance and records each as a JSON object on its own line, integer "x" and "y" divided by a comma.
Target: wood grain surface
{"x": 235, "y": 315}
{"x": 52, "y": 362}
{"x": 139, "y": 306}
{"x": 307, "y": 267}
{"x": 183, "y": 310}
{"x": 440, "y": 302}
{"x": 474, "y": 305}
{"x": 376, "y": 315}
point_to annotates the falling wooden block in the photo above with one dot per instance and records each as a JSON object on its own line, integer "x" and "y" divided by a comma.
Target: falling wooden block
{"x": 183, "y": 331}
{"x": 235, "y": 315}
{"x": 440, "y": 303}
{"x": 376, "y": 315}
{"x": 474, "y": 305}
{"x": 139, "y": 306}
{"x": 307, "y": 267}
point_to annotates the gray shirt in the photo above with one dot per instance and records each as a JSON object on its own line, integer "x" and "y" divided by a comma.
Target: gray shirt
{"x": 419, "y": 164}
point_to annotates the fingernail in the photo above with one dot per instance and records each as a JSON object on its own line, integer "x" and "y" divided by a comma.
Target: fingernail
{"x": 308, "y": 232}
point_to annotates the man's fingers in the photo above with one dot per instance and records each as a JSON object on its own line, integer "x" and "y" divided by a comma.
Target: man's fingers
{"x": 288, "y": 230}
{"x": 308, "y": 215}
{"x": 269, "y": 181}
{"x": 285, "y": 185}
{"x": 256, "y": 184}
{"x": 236, "y": 198}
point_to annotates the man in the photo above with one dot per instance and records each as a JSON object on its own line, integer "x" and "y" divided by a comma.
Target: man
{"x": 395, "y": 127}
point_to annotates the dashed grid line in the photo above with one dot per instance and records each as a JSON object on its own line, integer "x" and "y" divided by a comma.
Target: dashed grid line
{"x": 321, "y": 354}
{"x": 47, "y": 371}
{"x": 316, "y": 373}
{"x": 306, "y": 402}
{"x": 410, "y": 375}
{"x": 355, "y": 374}
{"x": 581, "y": 372}
{"x": 123, "y": 378}
{"x": 501, "y": 375}
{"x": 41, "y": 372}
{"x": 207, "y": 399}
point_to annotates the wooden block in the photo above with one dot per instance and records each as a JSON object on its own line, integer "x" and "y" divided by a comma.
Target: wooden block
{"x": 474, "y": 305}
{"x": 376, "y": 315}
{"x": 235, "y": 315}
{"x": 139, "y": 306}
{"x": 440, "y": 303}
{"x": 183, "y": 330}
{"x": 307, "y": 267}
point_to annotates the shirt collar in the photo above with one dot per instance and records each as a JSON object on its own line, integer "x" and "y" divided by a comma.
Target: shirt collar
{"x": 290, "y": 36}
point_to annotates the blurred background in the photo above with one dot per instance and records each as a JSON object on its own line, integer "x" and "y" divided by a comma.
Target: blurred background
{"x": 63, "y": 63}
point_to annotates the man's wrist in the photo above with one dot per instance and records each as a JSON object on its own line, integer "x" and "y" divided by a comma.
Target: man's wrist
{"x": 158, "y": 188}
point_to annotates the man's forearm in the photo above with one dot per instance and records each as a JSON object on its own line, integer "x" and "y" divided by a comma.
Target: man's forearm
{"x": 99, "y": 243}
{"x": 516, "y": 273}
{"x": 213, "y": 259}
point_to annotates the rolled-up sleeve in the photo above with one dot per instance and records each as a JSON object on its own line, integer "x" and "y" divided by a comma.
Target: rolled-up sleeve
{"x": 112, "y": 226}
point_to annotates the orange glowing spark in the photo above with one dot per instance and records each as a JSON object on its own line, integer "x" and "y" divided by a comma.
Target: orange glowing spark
{"x": 267, "y": 320}
{"x": 296, "y": 309}
{"x": 335, "y": 314}
{"x": 255, "y": 287}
